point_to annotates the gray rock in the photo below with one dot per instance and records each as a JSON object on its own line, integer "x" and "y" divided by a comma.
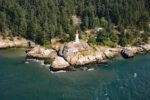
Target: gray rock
{"x": 73, "y": 47}
{"x": 111, "y": 52}
{"x": 41, "y": 53}
{"x": 100, "y": 56}
{"x": 7, "y": 43}
{"x": 146, "y": 47}
{"x": 59, "y": 63}
{"x": 127, "y": 53}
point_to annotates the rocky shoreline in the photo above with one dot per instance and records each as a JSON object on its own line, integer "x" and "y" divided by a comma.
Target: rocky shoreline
{"x": 74, "y": 55}
{"x": 13, "y": 42}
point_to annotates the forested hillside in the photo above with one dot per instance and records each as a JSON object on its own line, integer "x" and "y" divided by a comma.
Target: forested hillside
{"x": 40, "y": 20}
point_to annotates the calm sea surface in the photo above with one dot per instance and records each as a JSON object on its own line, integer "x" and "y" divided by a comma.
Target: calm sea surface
{"x": 120, "y": 80}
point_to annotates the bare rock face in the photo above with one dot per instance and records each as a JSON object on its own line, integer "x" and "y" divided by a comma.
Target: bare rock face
{"x": 92, "y": 58}
{"x": 72, "y": 58}
{"x": 134, "y": 49}
{"x": 129, "y": 52}
{"x": 100, "y": 56}
{"x": 81, "y": 59}
{"x": 146, "y": 47}
{"x": 86, "y": 60}
{"x": 111, "y": 52}
{"x": 7, "y": 43}
{"x": 87, "y": 55}
{"x": 39, "y": 52}
{"x": 73, "y": 47}
{"x": 59, "y": 63}
{"x": 78, "y": 53}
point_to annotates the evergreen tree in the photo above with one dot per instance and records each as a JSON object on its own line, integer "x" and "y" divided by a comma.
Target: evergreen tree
{"x": 52, "y": 17}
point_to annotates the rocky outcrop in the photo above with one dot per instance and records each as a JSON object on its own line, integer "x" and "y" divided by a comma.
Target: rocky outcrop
{"x": 15, "y": 42}
{"x": 73, "y": 47}
{"x": 41, "y": 53}
{"x": 59, "y": 63}
{"x": 100, "y": 57}
{"x": 72, "y": 54}
{"x": 82, "y": 60}
{"x": 111, "y": 52}
{"x": 146, "y": 47}
{"x": 134, "y": 49}
{"x": 87, "y": 57}
{"x": 127, "y": 53}
{"x": 49, "y": 55}
{"x": 80, "y": 53}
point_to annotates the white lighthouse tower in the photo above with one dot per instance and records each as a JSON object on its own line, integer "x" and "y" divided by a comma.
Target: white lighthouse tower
{"x": 77, "y": 37}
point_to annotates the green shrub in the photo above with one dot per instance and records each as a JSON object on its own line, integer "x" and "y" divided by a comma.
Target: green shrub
{"x": 92, "y": 40}
{"x": 48, "y": 45}
{"x": 83, "y": 36}
{"x": 110, "y": 43}
{"x": 48, "y": 61}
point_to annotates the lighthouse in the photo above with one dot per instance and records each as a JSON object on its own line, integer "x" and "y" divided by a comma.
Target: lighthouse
{"x": 77, "y": 37}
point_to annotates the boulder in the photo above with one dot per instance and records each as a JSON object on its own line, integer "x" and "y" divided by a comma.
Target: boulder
{"x": 127, "y": 53}
{"x": 59, "y": 63}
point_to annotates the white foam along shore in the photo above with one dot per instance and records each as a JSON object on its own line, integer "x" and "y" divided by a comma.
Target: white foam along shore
{"x": 45, "y": 65}
{"x": 41, "y": 62}
{"x": 55, "y": 72}
{"x": 91, "y": 69}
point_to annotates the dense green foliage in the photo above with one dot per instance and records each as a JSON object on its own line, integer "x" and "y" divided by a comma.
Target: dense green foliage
{"x": 40, "y": 20}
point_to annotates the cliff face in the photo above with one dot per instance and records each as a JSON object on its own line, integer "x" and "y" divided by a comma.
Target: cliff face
{"x": 14, "y": 42}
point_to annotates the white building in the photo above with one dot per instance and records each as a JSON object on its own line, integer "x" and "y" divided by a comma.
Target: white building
{"x": 77, "y": 37}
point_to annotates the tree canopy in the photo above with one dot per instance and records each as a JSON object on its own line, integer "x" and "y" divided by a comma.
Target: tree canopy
{"x": 51, "y": 18}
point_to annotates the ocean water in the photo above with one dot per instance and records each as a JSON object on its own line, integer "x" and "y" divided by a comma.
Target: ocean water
{"x": 119, "y": 80}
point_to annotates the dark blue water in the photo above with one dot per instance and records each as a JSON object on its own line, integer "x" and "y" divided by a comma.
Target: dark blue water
{"x": 120, "y": 80}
